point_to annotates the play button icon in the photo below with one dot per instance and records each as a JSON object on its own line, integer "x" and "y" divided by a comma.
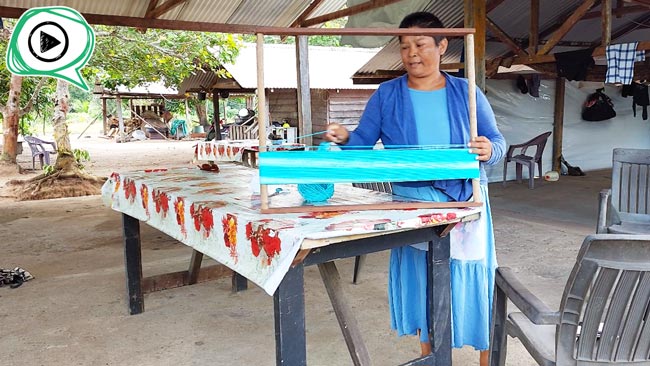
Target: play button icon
{"x": 48, "y": 42}
{"x": 50, "y": 39}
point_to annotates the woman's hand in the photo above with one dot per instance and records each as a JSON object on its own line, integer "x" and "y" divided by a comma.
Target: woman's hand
{"x": 337, "y": 133}
{"x": 482, "y": 147}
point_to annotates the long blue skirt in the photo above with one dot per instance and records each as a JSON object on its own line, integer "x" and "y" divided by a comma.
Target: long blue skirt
{"x": 472, "y": 285}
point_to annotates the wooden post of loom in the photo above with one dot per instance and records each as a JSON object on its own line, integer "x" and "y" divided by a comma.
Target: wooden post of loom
{"x": 471, "y": 88}
{"x": 261, "y": 112}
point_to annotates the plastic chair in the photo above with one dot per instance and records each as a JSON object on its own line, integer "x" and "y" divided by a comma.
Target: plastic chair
{"x": 517, "y": 154}
{"x": 625, "y": 208}
{"x": 603, "y": 316}
{"x": 379, "y": 187}
{"x": 39, "y": 149}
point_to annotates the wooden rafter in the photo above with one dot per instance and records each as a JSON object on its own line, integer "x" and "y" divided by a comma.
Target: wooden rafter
{"x": 631, "y": 26}
{"x": 566, "y": 26}
{"x": 539, "y": 59}
{"x": 645, "y": 3}
{"x": 307, "y": 12}
{"x": 492, "y": 5}
{"x": 618, "y": 12}
{"x": 163, "y": 8}
{"x": 503, "y": 37}
{"x": 369, "y": 5}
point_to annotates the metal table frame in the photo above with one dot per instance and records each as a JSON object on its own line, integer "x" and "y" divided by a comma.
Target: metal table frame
{"x": 289, "y": 298}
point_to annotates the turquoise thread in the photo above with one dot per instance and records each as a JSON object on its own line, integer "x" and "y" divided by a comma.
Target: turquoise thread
{"x": 317, "y": 192}
{"x": 358, "y": 166}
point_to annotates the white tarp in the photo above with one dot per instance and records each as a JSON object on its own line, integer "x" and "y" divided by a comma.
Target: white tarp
{"x": 589, "y": 145}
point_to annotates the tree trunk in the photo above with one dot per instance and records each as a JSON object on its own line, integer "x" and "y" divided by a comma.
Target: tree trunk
{"x": 11, "y": 114}
{"x": 200, "y": 111}
{"x": 65, "y": 158}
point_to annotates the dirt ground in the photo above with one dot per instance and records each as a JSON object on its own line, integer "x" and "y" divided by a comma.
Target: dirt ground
{"x": 74, "y": 312}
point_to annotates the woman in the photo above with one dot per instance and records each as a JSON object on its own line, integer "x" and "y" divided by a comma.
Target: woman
{"x": 430, "y": 107}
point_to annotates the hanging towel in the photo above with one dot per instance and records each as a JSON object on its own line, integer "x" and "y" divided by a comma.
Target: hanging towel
{"x": 640, "y": 98}
{"x": 620, "y": 62}
{"x": 574, "y": 65}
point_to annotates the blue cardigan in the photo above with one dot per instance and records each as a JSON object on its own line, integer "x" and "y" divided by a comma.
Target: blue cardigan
{"x": 389, "y": 115}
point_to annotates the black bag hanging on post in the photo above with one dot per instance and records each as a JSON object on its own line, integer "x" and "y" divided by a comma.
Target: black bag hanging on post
{"x": 598, "y": 107}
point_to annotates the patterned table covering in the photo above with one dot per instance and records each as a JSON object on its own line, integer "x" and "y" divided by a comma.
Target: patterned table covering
{"x": 231, "y": 150}
{"x": 216, "y": 214}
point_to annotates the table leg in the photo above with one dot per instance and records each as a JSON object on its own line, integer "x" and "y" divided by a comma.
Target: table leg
{"x": 344, "y": 314}
{"x": 289, "y": 313}
{"x": 440, "y": 300}
{"x": 239, "y": 282}
{"x": 133, "y": 263}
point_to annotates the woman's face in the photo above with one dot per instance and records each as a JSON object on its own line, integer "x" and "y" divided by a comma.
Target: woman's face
{"x": 421, "y": 55}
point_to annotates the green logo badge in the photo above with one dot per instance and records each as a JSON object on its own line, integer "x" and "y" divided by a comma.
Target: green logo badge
{"x": 53, "y": 41}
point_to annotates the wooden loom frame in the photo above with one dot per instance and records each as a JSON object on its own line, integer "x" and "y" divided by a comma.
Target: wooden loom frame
{"x": 468, "y": 33}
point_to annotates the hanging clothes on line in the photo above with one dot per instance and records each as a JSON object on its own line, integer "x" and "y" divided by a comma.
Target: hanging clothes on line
{"x": 620, "y": 62}
{"x": 574, "y": 65}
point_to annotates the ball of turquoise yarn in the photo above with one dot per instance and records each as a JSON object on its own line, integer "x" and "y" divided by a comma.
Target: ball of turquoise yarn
{"x": 316, "y": 192}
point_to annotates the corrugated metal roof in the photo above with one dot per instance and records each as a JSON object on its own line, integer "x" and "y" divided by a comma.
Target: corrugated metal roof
{"x": 329, "y": 67}
{"x": 513, "y": 17}
{"x": 280, "y": 13}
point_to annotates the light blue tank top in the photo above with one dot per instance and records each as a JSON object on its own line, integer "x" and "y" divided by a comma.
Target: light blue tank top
{"x": 432, "y": 123}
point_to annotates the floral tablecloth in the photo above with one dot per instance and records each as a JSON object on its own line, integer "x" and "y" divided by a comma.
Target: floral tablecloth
{"x": 216, "y": 214}
{"x": 231, "y": 150}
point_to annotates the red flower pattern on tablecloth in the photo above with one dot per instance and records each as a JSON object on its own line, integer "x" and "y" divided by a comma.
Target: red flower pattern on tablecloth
{"x": 161, "y": 201}
{"x": 144, "y": 194}
{"x": 266, "y": 239}
{"x": 323, "y": 215}
{"x": 229, "y": 223}
{"x": 437, "y": 217}
{"x": 130, "y": 191}
{"x": 116, "y": 178}
{"x": 179, "y": 208}
{"x": 221, "y": 149}
{"x": 202, "y": 216}
{"x": 208, "y": 149}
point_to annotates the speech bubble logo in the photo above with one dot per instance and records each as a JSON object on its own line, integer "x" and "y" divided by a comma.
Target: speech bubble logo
{"x": 53, "y": 41}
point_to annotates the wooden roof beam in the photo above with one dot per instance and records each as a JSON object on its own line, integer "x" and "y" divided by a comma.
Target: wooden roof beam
{"x": 125, "y": 21}
{"x": 566, "y": 26}
{"x": 618, "y": 12}
{"x": 163, "y": 8}
{"x": 307, "y": 12}
{"x": 598, "y": 51}
{"x": 369, "y": 5}
{"x": 501, "y": 35}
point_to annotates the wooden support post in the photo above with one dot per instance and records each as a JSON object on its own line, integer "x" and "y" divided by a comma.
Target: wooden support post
{"x": 304, "y": 91}
{"x": 104, "y": 123}
{"x": 261, "y": 112}
{"x": 558, "y": 123}
{"x": 606, "y": 11}
{"x": 216, "y": 115}
{"x": 471, "y": 77}
{"x": 533, "y": 33}
{"x": 476, "y": 17}
{"x": 118, "y": 102}
{"x": 195, "y": 267}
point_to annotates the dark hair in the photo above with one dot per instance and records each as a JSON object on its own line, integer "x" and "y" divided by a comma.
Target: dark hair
{"x": 422, "y": 19}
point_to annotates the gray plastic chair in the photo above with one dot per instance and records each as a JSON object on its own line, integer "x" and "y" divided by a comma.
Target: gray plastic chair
{"x": 379, "y": 187}
{"x": 625, "y": 208}
{"x": 517, "y": 154}
{"x": 40, "y": 150}
{"x": 603, "y": 317}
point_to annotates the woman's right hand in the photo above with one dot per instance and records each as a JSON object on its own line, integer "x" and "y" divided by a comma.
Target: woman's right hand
{"x": 337, "y": 133}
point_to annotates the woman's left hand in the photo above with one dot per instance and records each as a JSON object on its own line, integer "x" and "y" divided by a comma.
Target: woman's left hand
{"x": 482, "y": 147}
